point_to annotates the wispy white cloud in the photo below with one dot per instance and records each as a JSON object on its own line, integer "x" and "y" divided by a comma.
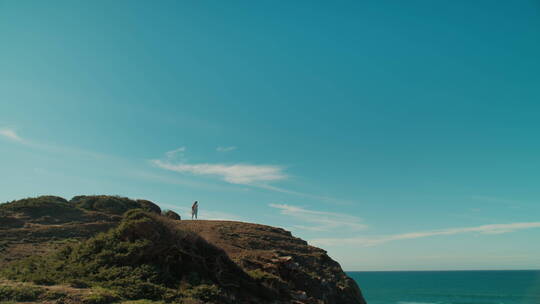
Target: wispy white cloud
{"x": 10, "y": 134}
{"x": 320, "y": 220}
{"x": 176, "y": 153}
{"x": 510, "y": 203}
{"x": 308, "y": 195}
{"x": 172, "y": 180}
{"x": 259, "y": 176}
{"x": 53, "y": 148}
{"x": 225, "y": 149}
{"x": 373, "y": 241}
{"x": 492, "y": 199}
{"x": 243, "y": 174}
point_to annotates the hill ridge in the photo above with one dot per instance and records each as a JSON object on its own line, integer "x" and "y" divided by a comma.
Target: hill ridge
{"x": 127, "y": 248}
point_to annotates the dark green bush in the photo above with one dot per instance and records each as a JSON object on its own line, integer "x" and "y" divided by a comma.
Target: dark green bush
{"x": 43, "y": 281}
{"x": 149, "y": 206}
{"x": 144, "y": 257}
{"x": 259, "y": 275}
{"x": 113, "y": 204}
{"x": 77, "y": 283}
{"x": 101, "y": 296}
{"x": 41, "y": 206}
{"x": 172, "y": 215}
{"x": 143, "y": 302}
{"x": 20, "y": 293}
{"x": 207, "y": 293}
{"x": 53, "y": 295}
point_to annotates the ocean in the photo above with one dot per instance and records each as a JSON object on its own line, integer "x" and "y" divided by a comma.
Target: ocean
{"x": 449, "y": 287}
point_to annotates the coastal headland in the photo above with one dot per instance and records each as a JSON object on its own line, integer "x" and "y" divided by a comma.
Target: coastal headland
{"x": 111, "y": 249}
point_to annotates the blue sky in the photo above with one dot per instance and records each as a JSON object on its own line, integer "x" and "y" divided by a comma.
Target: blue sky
{"x": 395, "y": 135}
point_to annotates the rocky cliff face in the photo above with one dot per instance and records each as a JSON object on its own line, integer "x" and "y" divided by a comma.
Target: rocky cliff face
{"x": 51, "y": 242}
{"x": 283, "y": 262}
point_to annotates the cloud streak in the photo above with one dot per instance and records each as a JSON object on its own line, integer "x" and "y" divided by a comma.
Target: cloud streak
{"x": 259, "y": 176}
{"x": 308, "y": 195}
{"x": 320, "y": 220}
{"x": 66, "y": 150}
{"x": 242, "y": 174}
{"x": 225, "y": 149}
{"x": 10, "y": 134}
{"x": 374, "y": 241}
{"x": 176, "y": 152}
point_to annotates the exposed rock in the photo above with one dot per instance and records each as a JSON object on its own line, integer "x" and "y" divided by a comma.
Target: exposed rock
{"x": 279, "y": 257}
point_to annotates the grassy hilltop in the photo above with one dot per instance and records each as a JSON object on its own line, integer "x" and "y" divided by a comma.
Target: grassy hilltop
{"x": 107, "y": 249}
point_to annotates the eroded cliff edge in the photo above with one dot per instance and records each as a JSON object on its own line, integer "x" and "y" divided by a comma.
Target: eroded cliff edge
{"x": 114, "y": 249}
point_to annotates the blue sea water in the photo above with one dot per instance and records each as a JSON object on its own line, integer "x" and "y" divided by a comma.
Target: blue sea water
{"x": 449, "y": 287}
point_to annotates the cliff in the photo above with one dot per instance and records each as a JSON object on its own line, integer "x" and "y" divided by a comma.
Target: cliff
{"x": 103, "y": 249}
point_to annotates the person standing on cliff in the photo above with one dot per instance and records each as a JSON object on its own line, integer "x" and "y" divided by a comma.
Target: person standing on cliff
{"x": 194, "y": 209}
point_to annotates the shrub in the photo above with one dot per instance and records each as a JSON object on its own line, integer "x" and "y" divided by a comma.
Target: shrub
{"x": 149, "y": 206}
{"x": 43, "y": 281}
{"x": 143, "y": 302}
{"x": 259, "y": 274}
{"x": 41, "y": 206}
{"x": 113, "y": 204}
{"x": 194, "y": 278}
{"x": 101, "y": 296}
{"x": 144, "y": 257}
{"x": 20, "y": 293}
{"x": 204, "y": 292}
{"x": 131, "y": 260}
{"x": 53, "y": 295}
{"x": 77, "y": 283}
{"x": 172, "y": 215}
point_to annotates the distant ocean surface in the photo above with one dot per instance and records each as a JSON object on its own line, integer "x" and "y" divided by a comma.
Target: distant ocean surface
{"x": 449, "y": 287}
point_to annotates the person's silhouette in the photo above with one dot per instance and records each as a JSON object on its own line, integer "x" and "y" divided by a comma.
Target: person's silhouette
{"x": 194, "y": 209}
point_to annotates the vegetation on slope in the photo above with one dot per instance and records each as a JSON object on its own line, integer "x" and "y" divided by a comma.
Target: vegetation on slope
{"x": 112, "y": 204}
{"x": 86, "y": 250}
{"x": 145, "y": 257}
{"x": 43, "y": 209}
{"x": 56, "y": 210}
{"x": 172, "y": 215}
